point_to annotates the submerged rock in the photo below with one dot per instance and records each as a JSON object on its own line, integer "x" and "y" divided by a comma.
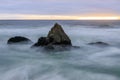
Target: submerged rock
{"x": 56, "y": 39}
{"x": 18, "y": 39}
{"x": 99, "y": 43}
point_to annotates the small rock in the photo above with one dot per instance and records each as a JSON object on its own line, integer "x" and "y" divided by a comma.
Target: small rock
{"x": 99, "y": 43}
{"x": 18, "y": 39}
{"x": 43, "y": 41}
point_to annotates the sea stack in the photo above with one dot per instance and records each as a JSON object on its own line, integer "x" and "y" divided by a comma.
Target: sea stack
{"x": 55, "y": 38}
{"x": 59, "y": 36}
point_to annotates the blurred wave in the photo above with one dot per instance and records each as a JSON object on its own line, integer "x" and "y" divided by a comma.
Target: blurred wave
{"x": 20, "y": 62}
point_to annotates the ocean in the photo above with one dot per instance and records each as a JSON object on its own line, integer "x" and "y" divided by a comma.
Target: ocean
{"x": 21, "y": 62}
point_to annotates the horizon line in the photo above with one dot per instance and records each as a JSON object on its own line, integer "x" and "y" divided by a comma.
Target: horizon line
{"x": 66, "y": 19}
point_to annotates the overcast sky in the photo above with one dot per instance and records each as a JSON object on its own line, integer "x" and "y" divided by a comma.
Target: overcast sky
{"x": 60, "y": 7}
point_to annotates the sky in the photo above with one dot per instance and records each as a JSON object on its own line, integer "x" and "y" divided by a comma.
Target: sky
{"x": 59, "y": 9}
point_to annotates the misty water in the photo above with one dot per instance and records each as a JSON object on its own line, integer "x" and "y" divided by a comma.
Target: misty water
{"x": 20, "y": 62}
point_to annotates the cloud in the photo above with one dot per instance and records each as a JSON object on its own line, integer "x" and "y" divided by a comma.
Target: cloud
{"x": 59, "y": 7}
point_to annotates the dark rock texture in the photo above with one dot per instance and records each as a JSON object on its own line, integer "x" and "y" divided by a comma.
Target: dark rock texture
{"x": 18, "y": 39}
{"x": 43, "y": 41}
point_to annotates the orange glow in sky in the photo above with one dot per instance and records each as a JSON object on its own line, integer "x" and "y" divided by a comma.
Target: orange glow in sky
{"x": 58, "y": 17}
{"x": 100, "y": 18}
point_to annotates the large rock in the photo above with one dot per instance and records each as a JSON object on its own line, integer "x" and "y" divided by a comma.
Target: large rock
{"x": 59, "y": 36}
{"x": 18, "y": 39}
{"x": 56, "y": 39}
